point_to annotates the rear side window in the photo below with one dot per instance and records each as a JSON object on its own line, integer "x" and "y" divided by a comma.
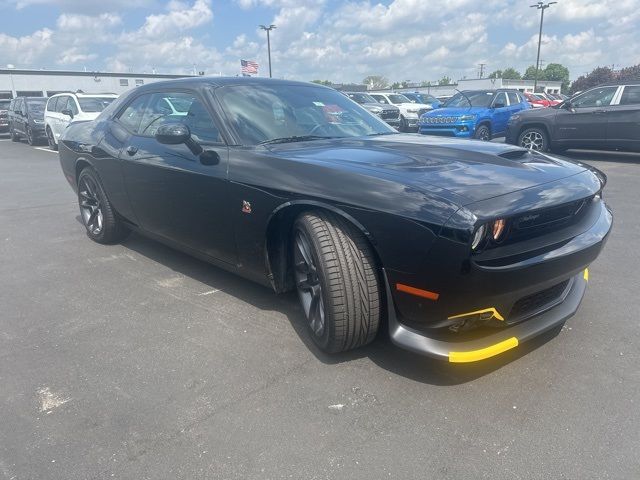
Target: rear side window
{"x": 513, "y": 98}
{"x": 598, "y": 97}
{"x": 51, "y": 105}
{"x": 631, "y": 95}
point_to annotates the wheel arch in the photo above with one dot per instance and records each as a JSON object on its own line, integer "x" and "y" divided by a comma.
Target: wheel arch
{"x": 81, "y": 164}
{"x": 278, "y": 238}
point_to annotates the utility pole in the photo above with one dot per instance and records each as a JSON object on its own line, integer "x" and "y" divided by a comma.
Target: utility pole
{"x": 482, "y": 65}
{"x": 268, "y": 29}
{"x": 542, "y": 7}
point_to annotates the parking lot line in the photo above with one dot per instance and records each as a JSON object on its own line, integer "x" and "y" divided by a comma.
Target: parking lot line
{"x": 45, "y": 149}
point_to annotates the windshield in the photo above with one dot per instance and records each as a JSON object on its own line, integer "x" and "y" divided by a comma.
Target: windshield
{"x": 470, "y": 99}
{"x": 261, "y": 113}
{"x": 362, "y": 98}
{"x": 36, "y": 105}
{"x": 397, "y": 98}
{"x": 4, "y": 104}
{"x": 94, "y": 104}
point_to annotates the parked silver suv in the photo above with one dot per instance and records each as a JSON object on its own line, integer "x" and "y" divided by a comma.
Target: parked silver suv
{"x": 388, "y": 113}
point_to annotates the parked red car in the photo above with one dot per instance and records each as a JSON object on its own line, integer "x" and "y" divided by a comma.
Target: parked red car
{"x": 536, "y": 100}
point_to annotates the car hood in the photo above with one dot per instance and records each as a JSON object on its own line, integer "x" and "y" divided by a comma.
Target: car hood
{"x": 538, "y": 113}
{"x": 470, "y": 170}
{"x": 455, "y": 112}
{"x": 377, "y": 105}
{"x": 416, "y": 106}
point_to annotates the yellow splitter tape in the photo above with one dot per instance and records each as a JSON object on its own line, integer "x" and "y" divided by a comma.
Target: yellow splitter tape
{"x": 475, "y": 355}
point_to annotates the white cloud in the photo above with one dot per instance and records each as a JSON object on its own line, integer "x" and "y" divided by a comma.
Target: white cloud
{"x": 339, "y": 41}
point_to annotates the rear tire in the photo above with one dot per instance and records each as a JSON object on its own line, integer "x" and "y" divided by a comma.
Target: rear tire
{"x": 534, "y": 138}
{"x": 482, "y": 133}
{"x": 98, "y": 216}
{"x": 337, "y": 281}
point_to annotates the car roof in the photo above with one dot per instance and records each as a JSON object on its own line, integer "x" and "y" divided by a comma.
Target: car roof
{"x": 195, "y": 82}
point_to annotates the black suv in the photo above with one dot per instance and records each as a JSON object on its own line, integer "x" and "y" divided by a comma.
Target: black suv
{"x": 26, "y": 119}
{"x": 605, "y": 117}
{"x": 4, "y": 115}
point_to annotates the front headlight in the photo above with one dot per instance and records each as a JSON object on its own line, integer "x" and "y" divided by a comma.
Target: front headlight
{"x": 412, "y": 110}
{"x": 514, "y": 117}
{"x": 467, "y": 118}
{"x": 38, "y": 121}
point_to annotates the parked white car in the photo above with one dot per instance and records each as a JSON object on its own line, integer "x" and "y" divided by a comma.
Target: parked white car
{"x": 409, "y": 111}
{"x": 65, "y": 108}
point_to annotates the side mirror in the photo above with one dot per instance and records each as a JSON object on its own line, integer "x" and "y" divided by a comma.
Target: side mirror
{"x": 175, "y": 134}
{"x": 568, "y": 106}
{"x": 67, "y": 112}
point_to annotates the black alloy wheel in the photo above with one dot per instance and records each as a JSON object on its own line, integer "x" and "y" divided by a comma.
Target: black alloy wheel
{"x": 14, "y": 136}
{"x": 337, "y": 282}
{"x": 308, "y": 283}
{"x": 98, "y": 216}
{"x": 29, "y": 136}
{"x": 483, "y": 133}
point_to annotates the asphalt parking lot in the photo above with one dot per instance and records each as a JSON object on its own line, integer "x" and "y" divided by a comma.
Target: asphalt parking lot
{"x": 135, "y": 361}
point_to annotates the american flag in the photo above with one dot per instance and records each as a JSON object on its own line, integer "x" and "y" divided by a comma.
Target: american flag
{"x": 248, "y": 67}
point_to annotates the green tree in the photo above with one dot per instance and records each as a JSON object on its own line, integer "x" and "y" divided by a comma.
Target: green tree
{"x": 395, "y": 85}
{"x": 322, "y": 82}
{"x": 425, "y": 83}
{"x": 596, "y": 77}
{"x": 557, "y": 72}
{"x": 444, "y": 81}
{"x": 530, "y": 73}
{"x": 496, "y": 74}
{"x": 373, "y": 82}
{"x": 511, "y": 74}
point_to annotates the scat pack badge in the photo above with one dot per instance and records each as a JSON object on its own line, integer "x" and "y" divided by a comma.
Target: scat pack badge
{"x": 246, "y": 207}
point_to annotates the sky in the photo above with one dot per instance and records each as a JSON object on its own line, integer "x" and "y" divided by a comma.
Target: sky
{"x": 340, "y": 41}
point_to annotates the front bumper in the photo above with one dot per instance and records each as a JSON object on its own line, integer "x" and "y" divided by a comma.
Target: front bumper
{"x": 459, "y": 130}
{"x": 521, "y": 299}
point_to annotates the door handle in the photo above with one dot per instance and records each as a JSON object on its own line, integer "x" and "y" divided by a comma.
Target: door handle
{"x": 131, "y": 150}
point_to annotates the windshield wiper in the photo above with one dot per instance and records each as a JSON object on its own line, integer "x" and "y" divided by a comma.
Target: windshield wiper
{"x": 295, "y": 138}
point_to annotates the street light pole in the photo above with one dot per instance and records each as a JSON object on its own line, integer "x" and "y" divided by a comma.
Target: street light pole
{"x": 268, "y": 29}
{"x": 542, "y": 7}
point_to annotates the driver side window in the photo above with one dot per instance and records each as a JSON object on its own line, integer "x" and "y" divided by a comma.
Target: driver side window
{"x": 598, "y": 97}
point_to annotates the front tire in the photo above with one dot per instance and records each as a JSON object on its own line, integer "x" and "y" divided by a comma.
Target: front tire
{"x": 98, "y": 216}
{"x": 337, "y": 281}
{"x": 534, "y": 138}
{"x": 403, "y": 124}
{"x": 50, "y": 140}
{"x": 30, "y": 140}
{"x": 14, "y": 136}
{"x": 483, "y": 133}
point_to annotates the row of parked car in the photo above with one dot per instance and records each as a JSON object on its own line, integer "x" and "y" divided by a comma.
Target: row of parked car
{"x": 39, "y": 119}
{"x": 605, "y": 117}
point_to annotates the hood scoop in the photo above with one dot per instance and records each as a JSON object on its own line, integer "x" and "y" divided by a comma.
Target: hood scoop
{"x": 514, "y": 154}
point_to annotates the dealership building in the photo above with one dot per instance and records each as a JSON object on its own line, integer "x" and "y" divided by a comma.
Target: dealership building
{"x": 44, "y": 83}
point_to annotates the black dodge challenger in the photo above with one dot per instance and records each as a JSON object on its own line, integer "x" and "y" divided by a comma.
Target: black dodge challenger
{"x": 465, "y": 249}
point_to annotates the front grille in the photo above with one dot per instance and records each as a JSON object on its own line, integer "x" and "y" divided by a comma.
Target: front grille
{"x": 537, "y": 223}
{"x": 536, "y": 302}
{"x": 390, "y": 114}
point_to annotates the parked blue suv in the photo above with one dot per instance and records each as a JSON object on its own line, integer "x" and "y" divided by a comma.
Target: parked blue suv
{"x": 479, "y": 114}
